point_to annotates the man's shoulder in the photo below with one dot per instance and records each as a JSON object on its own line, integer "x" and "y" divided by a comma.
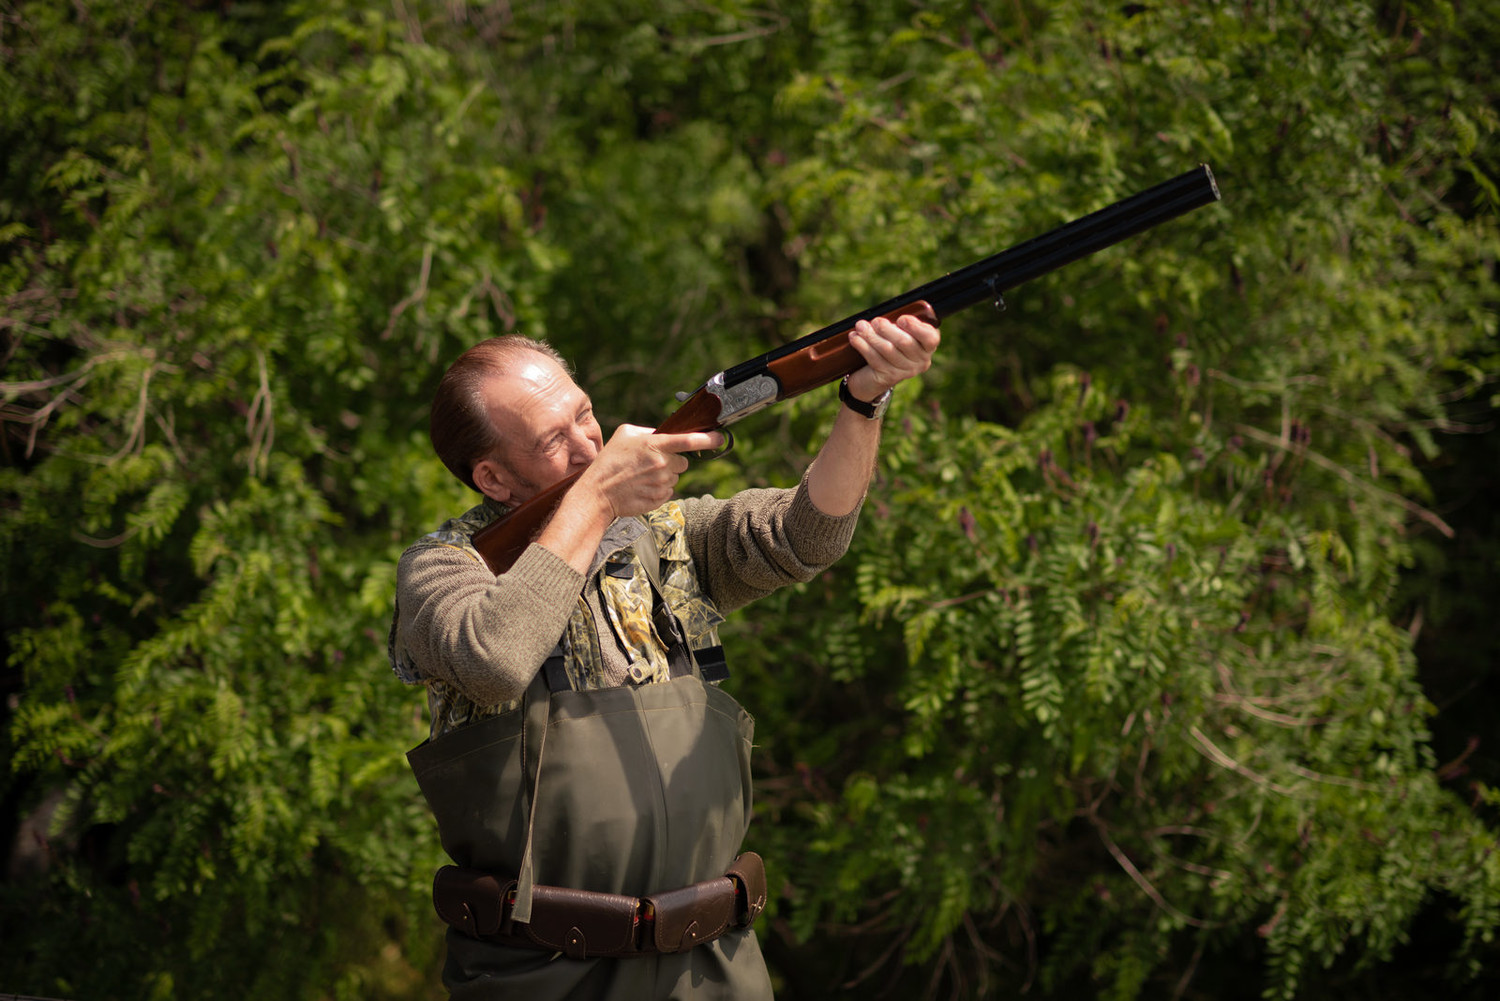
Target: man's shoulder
{"x": 458, "y": 532}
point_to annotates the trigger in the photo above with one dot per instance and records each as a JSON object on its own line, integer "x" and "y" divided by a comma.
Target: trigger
{"x": 722, "y": 450}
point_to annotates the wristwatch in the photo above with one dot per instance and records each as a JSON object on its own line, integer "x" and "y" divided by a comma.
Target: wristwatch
{"x": 870, "y": 411}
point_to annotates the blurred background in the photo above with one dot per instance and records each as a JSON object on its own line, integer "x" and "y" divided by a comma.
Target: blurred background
{"x": 1163, "y": 665}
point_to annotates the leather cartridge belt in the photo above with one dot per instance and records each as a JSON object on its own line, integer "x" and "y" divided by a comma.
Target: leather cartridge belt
{"x": 582, "y": 923}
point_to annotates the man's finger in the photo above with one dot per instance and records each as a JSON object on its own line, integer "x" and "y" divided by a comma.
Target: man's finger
{"x": 873, "y": 343}
{"x": 691, "y": 441}
{"x": 926, "y": 334}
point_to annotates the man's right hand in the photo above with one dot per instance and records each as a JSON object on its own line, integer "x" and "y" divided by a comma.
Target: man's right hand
{"x": 637, "y": 469}
{"x": 635, "y": 472}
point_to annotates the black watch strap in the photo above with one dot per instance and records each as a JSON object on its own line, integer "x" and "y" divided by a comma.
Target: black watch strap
{"x": 870, "y": 411}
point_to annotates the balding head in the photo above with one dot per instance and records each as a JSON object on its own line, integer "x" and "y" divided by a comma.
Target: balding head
{"x": 461, "y": 426}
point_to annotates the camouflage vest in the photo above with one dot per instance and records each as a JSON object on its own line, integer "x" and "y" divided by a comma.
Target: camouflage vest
{"x": 624, "y": 587}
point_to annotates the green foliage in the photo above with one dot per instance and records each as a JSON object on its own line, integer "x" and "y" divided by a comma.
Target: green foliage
{"x": 1107, "y": 656}
{"x": 1116, "y": 691}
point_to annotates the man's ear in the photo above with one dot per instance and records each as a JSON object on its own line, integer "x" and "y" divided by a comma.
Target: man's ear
{"x": 493, "y": 480}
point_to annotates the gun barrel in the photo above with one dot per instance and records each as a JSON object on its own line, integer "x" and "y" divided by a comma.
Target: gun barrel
{"x": 1074, "y": 240}
{"x": 987, "y": 278}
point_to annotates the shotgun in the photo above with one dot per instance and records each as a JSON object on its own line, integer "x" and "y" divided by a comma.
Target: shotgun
{"x": 826, "y": 355}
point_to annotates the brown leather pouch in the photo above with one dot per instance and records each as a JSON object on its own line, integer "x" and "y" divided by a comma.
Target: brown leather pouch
{"x": 470, "y": 900}
{"x": 692, "y": 914}
{"x": 749, "y": 874}
{"x": 582, "y": 923}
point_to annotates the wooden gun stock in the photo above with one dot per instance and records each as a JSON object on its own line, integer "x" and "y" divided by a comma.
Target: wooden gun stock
{"x": 826, "y": 355}
{"x": 502, "y": 542}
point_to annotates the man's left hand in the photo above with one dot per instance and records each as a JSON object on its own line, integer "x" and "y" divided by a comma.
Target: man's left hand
{"x": 892, "y": 352}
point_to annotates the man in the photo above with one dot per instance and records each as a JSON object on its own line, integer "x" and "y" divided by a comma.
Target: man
{"x": 591, "y": 788}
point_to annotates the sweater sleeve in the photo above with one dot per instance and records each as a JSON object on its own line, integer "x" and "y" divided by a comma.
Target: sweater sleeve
{"x": 485, "y": 635}
{"x": 759, "y": 540}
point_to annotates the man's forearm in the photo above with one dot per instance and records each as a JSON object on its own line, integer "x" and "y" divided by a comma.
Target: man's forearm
{"x": 893, "y": 352}
{"x": 840, "y": 475}
{"x": 577, "y": 528}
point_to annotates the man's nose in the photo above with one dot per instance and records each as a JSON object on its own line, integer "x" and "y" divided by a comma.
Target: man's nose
{"x": 583, "y": 450}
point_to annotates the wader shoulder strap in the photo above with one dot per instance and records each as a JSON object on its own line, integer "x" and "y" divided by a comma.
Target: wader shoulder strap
{"x": 553, "y": 672}
{"x": 536, "y": 708}
{"x": 650, "y": 557}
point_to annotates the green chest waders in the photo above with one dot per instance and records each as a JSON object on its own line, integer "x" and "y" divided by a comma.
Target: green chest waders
{"x": 630, "y": 790}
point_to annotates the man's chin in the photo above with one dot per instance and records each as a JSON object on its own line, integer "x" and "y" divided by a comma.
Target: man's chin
{"x": 524, "y": 490}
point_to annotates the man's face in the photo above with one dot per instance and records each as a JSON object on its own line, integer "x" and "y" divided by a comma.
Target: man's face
{"x": 547, "y": 424}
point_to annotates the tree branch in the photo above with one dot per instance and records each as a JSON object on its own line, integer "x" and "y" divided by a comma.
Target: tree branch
{"x": 1333, "y": 467}
{"x": 1140, "y": 878}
